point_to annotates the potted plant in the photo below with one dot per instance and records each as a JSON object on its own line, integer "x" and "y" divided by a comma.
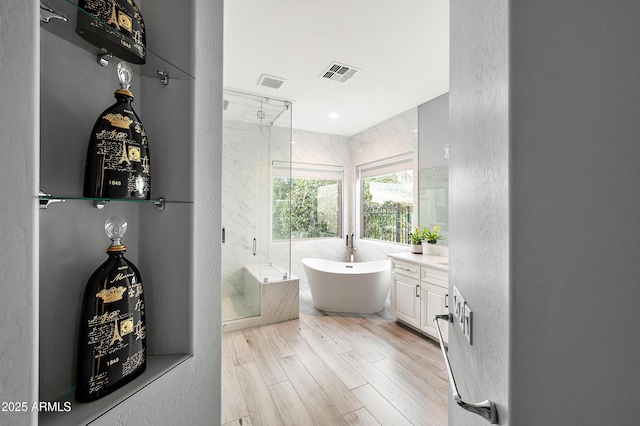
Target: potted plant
{"x": 432, "y": 237}
{"x": 416, "y": 237}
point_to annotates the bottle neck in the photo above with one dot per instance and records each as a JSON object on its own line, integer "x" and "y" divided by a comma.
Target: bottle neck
{"x": 123, "y": 95}
{"x": 116, "y": 249}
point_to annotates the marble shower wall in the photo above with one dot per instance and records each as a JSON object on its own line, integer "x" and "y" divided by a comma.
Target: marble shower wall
{"x": 245, "y": 198}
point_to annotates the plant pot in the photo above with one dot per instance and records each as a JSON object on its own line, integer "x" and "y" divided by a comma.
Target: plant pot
{"x": 416, "y": 248}
{"x": 431, "y": 249}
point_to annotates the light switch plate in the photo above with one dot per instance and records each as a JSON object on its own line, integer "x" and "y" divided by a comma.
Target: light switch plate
{"x": 468, "y": 317}
{"x": 458, "y": 308}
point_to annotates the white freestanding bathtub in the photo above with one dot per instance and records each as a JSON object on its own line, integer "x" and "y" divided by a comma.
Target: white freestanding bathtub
{"x": 358, "y": 287}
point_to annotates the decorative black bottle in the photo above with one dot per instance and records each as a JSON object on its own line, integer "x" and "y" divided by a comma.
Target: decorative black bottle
{"x": 112, "y": 340}
{"x": 118, "y": 161}
{"x": 115, "y": 26}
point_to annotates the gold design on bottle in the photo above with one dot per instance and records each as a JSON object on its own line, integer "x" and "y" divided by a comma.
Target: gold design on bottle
{"x": 112, "y": 294}
{"x": 113, "y": 20}
{"x": 126, "y": 327}
{"x": 118, "y": 120}
{"x": 125, "y": 21}
{"x": 124, "y": 158}
{"x": 134, "y": 154}
{"x": 145, "y": 166}
{"x": 116, "y": 336}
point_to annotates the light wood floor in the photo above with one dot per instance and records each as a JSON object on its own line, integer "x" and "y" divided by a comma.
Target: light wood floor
{"x": 339, "y": 369}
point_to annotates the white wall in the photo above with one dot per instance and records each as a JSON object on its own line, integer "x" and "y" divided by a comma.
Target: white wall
{"x": 479, "y": 202}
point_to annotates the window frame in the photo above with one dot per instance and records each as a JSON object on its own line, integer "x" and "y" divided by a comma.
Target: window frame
{"x": 314, "y": 171}
{"x": 396, "y": 163}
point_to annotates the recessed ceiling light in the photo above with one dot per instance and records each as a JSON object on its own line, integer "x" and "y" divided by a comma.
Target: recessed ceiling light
{"x": 334, "y": 115}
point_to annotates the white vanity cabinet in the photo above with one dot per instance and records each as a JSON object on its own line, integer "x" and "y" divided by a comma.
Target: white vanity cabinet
{"x": 419, "y": 291}
{"x": 405, "y": 293}
{"x": 434, "y": 300}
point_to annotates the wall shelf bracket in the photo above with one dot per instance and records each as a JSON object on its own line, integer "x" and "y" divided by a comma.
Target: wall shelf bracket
{"x": 47, "y": 14}
{"x": 164, "y": 77}
{"x": 104, "y": 57}
{"x": 160, "y": 203}
{"x": 44, "y": 202}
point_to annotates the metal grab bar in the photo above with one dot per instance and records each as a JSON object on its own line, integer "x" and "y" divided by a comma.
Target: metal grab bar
{"x": 486, "y": 409}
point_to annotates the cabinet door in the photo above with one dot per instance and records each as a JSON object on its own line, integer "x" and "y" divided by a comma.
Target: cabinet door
{"x": 434, "y": 302}
{"x": 405, "y": 299}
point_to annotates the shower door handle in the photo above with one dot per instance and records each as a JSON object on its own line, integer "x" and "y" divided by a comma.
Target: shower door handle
{"x": 255, "y": 242}
{"x": 486, "y": 409}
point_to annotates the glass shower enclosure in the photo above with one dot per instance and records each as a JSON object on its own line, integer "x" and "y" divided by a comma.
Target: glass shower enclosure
{"x": 256, "y": 138}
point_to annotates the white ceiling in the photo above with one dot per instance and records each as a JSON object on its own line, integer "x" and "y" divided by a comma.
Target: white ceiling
{"x": 401, "y": 47}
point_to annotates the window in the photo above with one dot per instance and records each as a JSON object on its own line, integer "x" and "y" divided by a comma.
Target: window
{"x": 386, "y": 201}
{"x": 315, "y": 192}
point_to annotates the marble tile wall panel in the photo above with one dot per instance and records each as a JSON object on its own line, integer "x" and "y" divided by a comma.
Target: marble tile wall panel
{"x": 244, "y": 200}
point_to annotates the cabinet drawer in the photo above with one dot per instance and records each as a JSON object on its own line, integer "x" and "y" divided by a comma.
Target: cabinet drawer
{"x": 406, "y": 269}
{"x": 434, "y": 276}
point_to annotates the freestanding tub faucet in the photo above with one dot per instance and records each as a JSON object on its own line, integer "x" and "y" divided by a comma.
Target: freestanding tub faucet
{"x": 351, "y": 249}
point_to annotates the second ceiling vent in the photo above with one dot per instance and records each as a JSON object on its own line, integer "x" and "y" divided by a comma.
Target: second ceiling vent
{"x": 339, "y": 72}
{"x": 271, "y": 81}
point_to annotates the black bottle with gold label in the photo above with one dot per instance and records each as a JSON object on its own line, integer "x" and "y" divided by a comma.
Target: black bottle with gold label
{"x": 112, "y": 339}
{"x": 115, "y": 26}
{"x": 118, "y": 158}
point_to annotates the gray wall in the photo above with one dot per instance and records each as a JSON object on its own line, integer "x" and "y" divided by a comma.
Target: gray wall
{"x": 190, "y": 392}
{"x": 545, "y": 212}
{"x": 19, "y": 85}
{"x": 575, "y": 201}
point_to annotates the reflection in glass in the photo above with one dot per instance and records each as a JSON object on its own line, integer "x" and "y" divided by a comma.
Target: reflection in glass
{"x": 434, "y": 199}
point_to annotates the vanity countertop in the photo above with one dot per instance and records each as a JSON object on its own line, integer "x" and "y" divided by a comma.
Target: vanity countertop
{"x": 436, "y": 262}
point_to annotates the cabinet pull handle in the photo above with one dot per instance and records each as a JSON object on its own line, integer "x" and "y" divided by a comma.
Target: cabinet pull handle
{"x": 487, "y": 408}
{"x": 254, "y": 246}
{"x": 417, "y": 290}
{"x": 446, "y": 300}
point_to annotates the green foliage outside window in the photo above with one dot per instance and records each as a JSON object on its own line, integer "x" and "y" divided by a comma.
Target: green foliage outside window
{"x": 315, "y": 208}
{"x": 387, "y": 207}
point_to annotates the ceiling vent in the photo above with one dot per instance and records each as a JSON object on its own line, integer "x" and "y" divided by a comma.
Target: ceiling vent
{"x": 339, "y": 72}
{"x": 271, "y": 81}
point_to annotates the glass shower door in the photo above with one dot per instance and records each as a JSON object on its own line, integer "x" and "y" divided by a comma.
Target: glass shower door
{"x": 248, "y": 143}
